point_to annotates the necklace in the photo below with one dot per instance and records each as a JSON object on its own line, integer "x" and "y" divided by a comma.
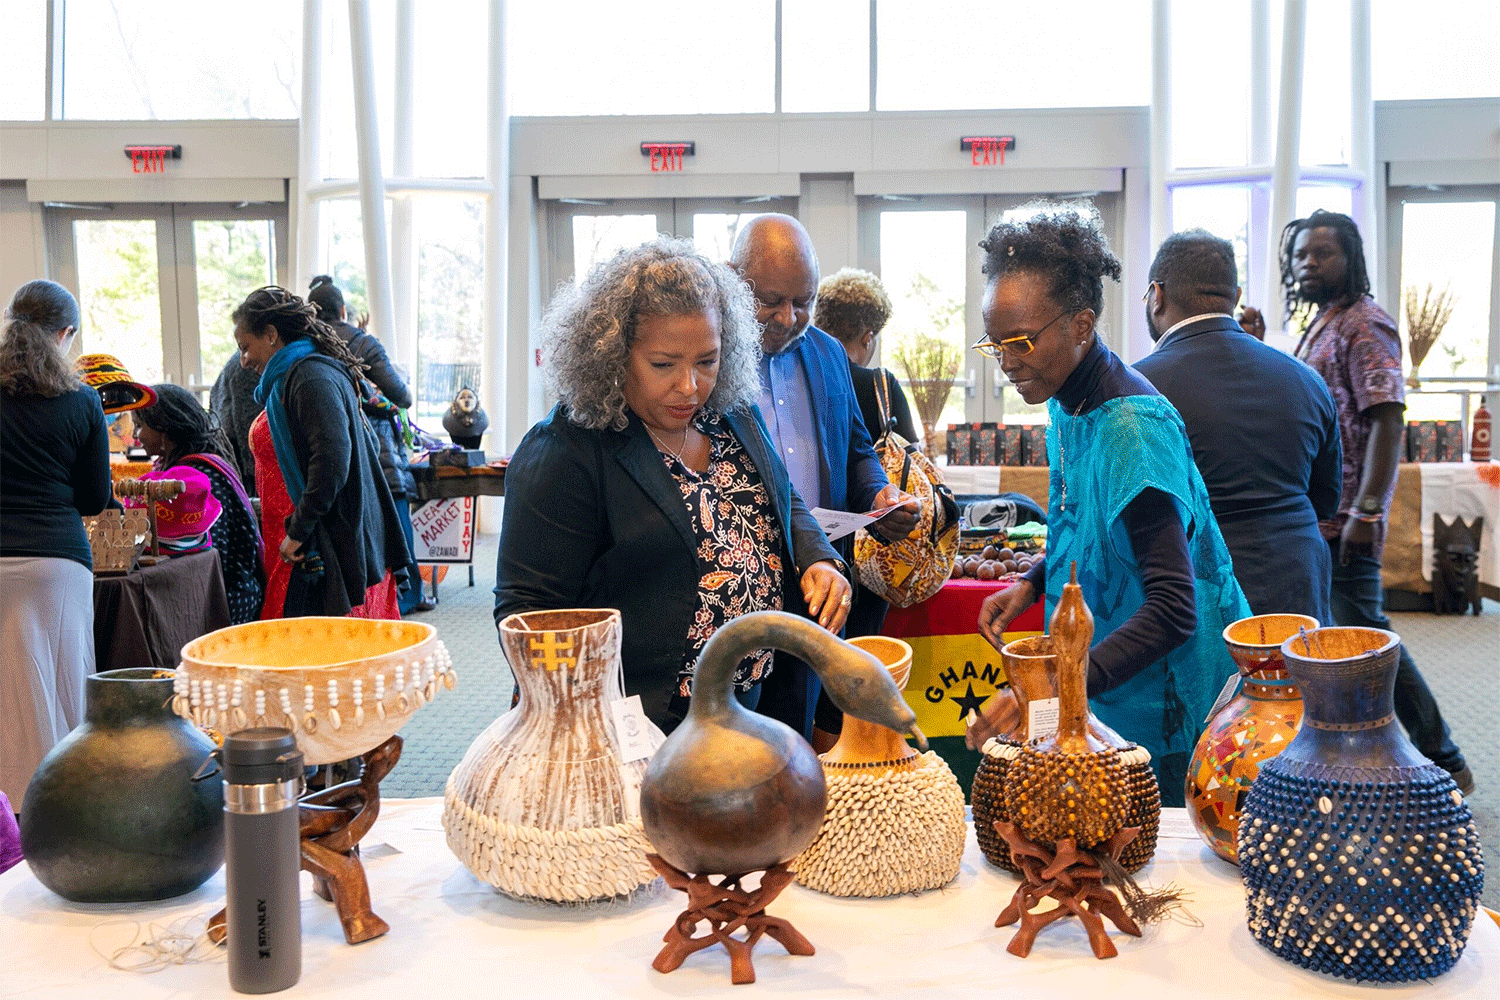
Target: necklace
{"x": 666, "y": 448}
{"x": 1062, "y": 454}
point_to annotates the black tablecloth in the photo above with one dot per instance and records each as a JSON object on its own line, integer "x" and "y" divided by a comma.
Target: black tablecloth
{"x": 144, "y": 618}
{"x": 447, "y": 482}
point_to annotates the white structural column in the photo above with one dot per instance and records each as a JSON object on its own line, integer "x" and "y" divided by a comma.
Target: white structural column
{"x": 1262, "y": 149}
{"x": 1367, "y": 196}
{"x": 1160, "y": 148}
{"x": 1285, "y": 169}
{"x": 371, "y": 179}
{"x": 496, "y": 250}
{"x": 403, "y": 208}
{"x": 309, "y": 144}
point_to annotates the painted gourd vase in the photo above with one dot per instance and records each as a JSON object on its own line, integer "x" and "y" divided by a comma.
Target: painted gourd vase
{"x": 1255, "y": 725}
{"x": 1359, "y": 855}
{"x": 112, "y": 814}
{"x": 545, "y": 804}
{"x": 895, "y": 819}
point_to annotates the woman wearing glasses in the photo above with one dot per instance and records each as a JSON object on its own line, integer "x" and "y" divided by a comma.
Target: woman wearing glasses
{"x": 1126, "y": 502}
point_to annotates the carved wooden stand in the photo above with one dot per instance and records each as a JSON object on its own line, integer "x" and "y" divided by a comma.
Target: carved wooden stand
{"x": 1071, "y": 878}
{"x": 727, "y": 908}
{"x": 332, "y": 823}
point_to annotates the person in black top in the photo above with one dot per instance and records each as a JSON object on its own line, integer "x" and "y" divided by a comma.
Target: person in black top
{"x": 1264, "y": 429}
{"x": 342, "y": 512}
{"x": 853, "y": 307}
{"x": 383, "y": 410}
{"x": 54, "y": 466}
{"x": 232, "y": 402}
{"x": 176, "y": 430}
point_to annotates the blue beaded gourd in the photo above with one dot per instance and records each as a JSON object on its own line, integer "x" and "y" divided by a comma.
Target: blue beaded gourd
{"x": 1359, "y": 856}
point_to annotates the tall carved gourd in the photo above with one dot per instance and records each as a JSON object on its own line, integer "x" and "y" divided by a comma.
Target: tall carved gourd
{"x": 895, "y": 820}
{"x": 1030, "y": 668}
{"x": 1070, "y": 785}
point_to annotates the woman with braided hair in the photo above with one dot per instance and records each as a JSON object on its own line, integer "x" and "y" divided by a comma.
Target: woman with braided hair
{"x": 177, "y": 431}
{"x": 333, "y": 537}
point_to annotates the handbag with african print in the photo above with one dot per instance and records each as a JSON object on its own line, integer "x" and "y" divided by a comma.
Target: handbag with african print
{"x": 910, "y": 570}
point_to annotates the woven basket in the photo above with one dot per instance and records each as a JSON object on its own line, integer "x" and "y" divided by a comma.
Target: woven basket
{"x": 887, "y": 831}
{"x": 542, "y": 806}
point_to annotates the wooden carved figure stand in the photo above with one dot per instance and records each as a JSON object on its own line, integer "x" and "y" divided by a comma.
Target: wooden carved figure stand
{"x": 728, "y": 909}
{"x": 1070, "y": 877}
{"x": 333, "y": 821}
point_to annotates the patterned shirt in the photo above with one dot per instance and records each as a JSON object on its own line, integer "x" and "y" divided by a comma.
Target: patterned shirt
{"x": 1358, "y": 353}
{"x": 739, "y": 547}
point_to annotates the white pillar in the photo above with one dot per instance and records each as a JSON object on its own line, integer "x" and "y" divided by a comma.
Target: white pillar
{"x": 403, "y": 210}
{"x": 309, "y": 145}
{"x": 371, "y": 178}
{"x": 1160, "y": 148}
{"x": 496, "y": 260}
{"x": 1262, "y": 149}
{"x": 1285, "y": 168}
{"x": 1362, "y": 141}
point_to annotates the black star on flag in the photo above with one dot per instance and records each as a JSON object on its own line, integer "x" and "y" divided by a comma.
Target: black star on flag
{"x": 970, "y": 702}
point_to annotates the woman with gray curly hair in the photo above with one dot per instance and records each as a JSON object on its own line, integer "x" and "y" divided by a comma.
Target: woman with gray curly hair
{"x": 652, "y": 486}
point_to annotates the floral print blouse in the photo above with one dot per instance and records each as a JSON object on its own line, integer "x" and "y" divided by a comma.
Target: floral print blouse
{"x": 739, "y": 547}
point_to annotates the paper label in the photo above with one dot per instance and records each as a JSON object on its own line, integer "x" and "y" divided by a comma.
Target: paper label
{"x": 838, "y": 523}
{"x": 1231, "y": 688}
{"x": 631, "y": 729}
{"x": 1041, "y": 717}
{"x": 630, "y": 787}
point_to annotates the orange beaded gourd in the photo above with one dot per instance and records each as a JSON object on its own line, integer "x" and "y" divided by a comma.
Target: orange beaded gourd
{"x": 1071, "y": 785}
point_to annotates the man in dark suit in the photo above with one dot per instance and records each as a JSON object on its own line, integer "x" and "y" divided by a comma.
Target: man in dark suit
{"x": 810, "y": 409}
{"x": 1263, "y": 426}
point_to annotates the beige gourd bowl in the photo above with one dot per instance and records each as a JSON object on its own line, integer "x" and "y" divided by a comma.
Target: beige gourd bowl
{"x": 343, "y": 685}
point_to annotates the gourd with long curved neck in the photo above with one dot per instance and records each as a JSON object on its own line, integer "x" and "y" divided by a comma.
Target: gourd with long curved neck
{"x": 731, "y": 791}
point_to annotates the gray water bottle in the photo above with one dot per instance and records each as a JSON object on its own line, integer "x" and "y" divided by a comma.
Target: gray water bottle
{"x": 263, "y": 859}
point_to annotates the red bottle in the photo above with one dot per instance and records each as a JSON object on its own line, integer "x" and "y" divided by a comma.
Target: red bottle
{"x": 1479, "y": 442}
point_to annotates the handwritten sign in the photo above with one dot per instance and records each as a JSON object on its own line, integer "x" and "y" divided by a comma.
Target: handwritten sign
{"x": 444, "y": 531}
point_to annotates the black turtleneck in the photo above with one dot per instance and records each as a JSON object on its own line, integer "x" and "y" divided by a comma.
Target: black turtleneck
{"x": 1169, "y": 615}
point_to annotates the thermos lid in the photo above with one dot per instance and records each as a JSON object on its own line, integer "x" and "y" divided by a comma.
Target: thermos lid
{"x": 261, "y": 756}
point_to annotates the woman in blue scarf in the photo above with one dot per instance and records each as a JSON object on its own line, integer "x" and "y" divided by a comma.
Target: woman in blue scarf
{"x": 1126, "y": 502}
{"x": 343, "y": 535}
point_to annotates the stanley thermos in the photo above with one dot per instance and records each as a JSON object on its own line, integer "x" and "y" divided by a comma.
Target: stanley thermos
{"x": 262, "y": 852}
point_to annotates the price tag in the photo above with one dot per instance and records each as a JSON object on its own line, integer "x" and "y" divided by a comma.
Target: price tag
{"x": 631, "y": 729}
{"x": 1041, "y": 717}
{"x": 1231, "y": 688}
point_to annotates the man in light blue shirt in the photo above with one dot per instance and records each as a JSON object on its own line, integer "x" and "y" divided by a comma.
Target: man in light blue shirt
{"x": 809, "y": 406}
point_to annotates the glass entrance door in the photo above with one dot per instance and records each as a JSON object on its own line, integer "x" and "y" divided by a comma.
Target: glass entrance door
{"x": 156, "y": 282}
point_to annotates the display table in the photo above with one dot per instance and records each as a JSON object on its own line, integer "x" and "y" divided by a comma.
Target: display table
{"x": 145, "y": 617}
{"x": 453, "y": 936}
{"x": 953, "y": 669}
{"x": 1452, "y": 489}
{"x": 986, "y": 480}
{"x": 445, "y": 482}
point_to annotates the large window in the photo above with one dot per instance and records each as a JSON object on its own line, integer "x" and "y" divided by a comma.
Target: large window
{"x": 180, "y": 59}
{"x": 825, "y": 55}
{"x": 651, "y": 57}
{"x": 1438, "y": 49}
{"x": 24, "y": 96}
{"x": 450, "y": 302}
{"x": 937, "y": 54}
{"x": 1210, "y": 85}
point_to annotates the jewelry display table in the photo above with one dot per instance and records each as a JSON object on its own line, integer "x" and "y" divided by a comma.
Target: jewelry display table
{"x": 452, "y": 935}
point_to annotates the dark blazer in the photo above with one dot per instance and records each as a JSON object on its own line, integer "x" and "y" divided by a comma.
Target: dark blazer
{"x": 347, "y": 506}
{"x": 851, "y": 469}
{"x": 593, "y": 519}
{"x": 865, "y": 390}
{"x": 383, "y": 375}
{"x": 1265, "y": 438}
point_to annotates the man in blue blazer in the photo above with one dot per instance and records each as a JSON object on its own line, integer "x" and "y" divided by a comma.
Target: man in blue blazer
{"x": 810, "y": 410}
{"x": 1263, "y": 426}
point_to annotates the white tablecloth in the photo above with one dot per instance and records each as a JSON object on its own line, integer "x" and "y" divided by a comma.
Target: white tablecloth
{"x": 1457, "y": 489}
{"x": 452, "y": 936}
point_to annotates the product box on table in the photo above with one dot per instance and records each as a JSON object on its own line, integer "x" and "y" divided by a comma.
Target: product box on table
{"x": 1421, "y": 441}
{"x": 1011, "y": 438}
{"x": 460, "y": 458}
{"x": 1450, "y": 441}
{"x": 1034, "y": 444}
{"x": 960, "y": 444}
{"x": 986, "y": 449}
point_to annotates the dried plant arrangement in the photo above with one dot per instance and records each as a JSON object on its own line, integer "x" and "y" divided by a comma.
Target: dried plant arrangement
{"x": 1427, "y": 312}
{"x": 931, "y": 366}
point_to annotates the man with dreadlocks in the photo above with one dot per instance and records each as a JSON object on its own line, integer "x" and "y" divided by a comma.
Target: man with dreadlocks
{"x": 1353, "y": 344}
{"x": 343, "y": 544}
